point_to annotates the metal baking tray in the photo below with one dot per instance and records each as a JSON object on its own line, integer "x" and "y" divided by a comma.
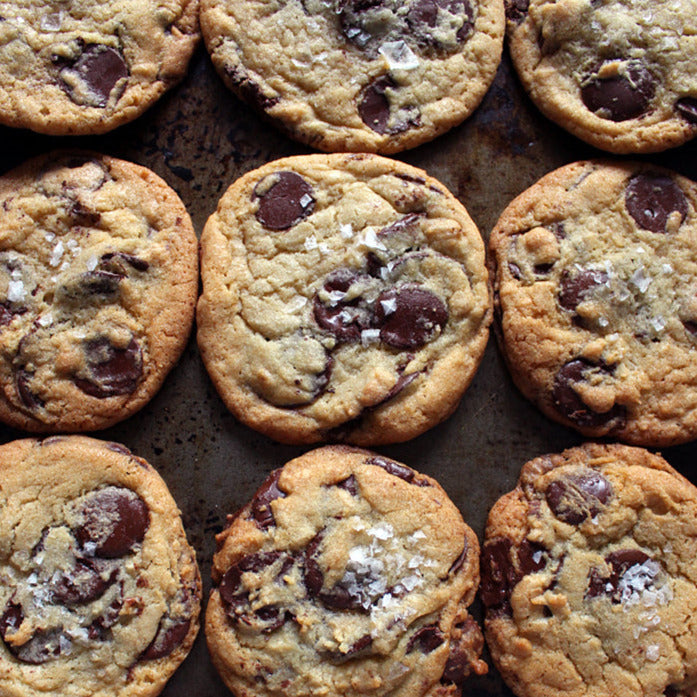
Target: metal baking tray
{"x": 200, "y": 138}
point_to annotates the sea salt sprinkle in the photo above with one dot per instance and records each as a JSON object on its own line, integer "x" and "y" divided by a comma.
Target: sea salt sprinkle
{"x": 637, "y": 586}
{"x": 398, "y": 55}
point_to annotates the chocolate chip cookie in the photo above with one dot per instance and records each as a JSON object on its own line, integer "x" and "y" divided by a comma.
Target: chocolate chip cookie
{"x": 100, "y": 590}
{"x": 98, "y": 281}
{"x": 589, "y": 576}
{"x": 368, "y": 76}
{"x": 620, "y": 75}
{"x": 596, "y": 291}
{"x": 350, "y": 572}
{"x": 344, "y": 298}
{"x": 84, "y": 67}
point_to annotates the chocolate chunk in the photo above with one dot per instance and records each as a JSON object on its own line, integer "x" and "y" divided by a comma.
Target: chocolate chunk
{"x": 358, "y": 648}
{"x": 111, "y": 261}
{"x": 408, "y": 225}
{"x": 92, "y": 286}
{"x": 459, "y": 561}
{"x": 249, "y": 90}
{"x": 285, "y": 198}
{"x": 426, "y": 639}
{"x": 423, "y": 15}
{"x": 374, "y": 106}
{"x": 82, "y": 216}
{"x": 349, "y": 484}
{"x": 622, "y": 96}
{"x": 98, "y": 630}
{"x": 113, "y": 521}
{"x": 100, "y": 68}
{"x": 515, "y": 271}
{"x": 575, "y": 497}
{"x": 44, "y": 645}
{"x": 499, "y": 576}
{"x": 81, "y": 585}
{"x": 466, "y": 644}
{"x": 111, "y": 371}
{"x": 314, "y": 578}
{"x": 11, "y": 619}
{"x": 409, "y": 316}
{"x": 687, "y": 107}
{"x": 344, "y": 318}
{"x": 401, "y": 471}
{"x": 619, "y": 561}
{"x": 261, "y": 503}
{"x": 570, "y": 405}
{"x": 531, "y": 557}
{"x": 8, "y": 311}
{"x": 574, "y": 288}
{"x": 516, "y": 10}
{"x": 651, "y": 199}
{"x": 403, "y": 381}
{"x": 28, "y": 398}
{"x": 170, "y": 634}
{"x": 236, "y": 599}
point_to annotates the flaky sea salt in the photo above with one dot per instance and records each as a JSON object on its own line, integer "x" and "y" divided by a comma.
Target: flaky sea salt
{"x": 57, "y": 253}
{"x": 389, "y": 306}
{"x": 399, "y": 56}
{"x": 653, "y": 653}
{"x": 346, "y": 231}
{"x": 370, "y": 240}
{"x": 15, "y": 291}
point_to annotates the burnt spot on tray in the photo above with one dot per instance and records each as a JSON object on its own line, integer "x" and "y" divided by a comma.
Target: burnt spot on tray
{"x": 285, "y": 198}
{"x": 655, "y": 200}
{"x": 110, "y": 371}
{"x": 576, "y": 497}
{"x": 114, "y": 520}
{"x": 619, "y": 96}
{"x": 569, "y": 404}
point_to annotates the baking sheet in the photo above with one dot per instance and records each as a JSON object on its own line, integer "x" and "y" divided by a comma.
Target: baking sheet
{"x": 200, "y": 138}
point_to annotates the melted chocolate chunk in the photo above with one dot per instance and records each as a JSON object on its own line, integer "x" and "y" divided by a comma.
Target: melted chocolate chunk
{"x": 401, "y": 471}
{"x": 82, "y": 216}
{"x": 100, "y": 68}
{"x": 622, "y": 96}
{"x": 620, "y": 562}
{"x": 423, "y": 15}
{"x": 28, "y": 398}
{"x": 570, "y": 405}
{"x": 170, "y": 634}
{"x": 574, "y": 288}
{"x": 349, "y": 484}
{"x": 687, "y": 107}
{"x": 98, "y": 630}
{"x": 408, "y": 225}
{"x": 466, "y": 646}
{"x": 114, "y": 521}
{"x": 516, "y": 10}
{"x": 249, "y": 90}
{"x": 652, "y": 198}
{"x": 44, "y": 645}
{"x": 261, "y": 503}
{"x": 345, "y": 319}
{"x": 576, "y": 497}
{"x": 236, "y": 598}
{"x": 314, "y": 578}
{"x": 375, "y": 111}
{"x": 111, "y": 261}
{"x": 111, "y": 371}
{"x": 502, "y": 568}
{"x": 426, "y": 639}
{"x": 409, "y": 317}
{"x": 82, "y": 585}
{"x": 11, "y": 619}
{"x": 358, "y": 648}
{"x": 92, "y": 286}
{"x": 515, "y": 271}
{"x": 403, "y": 381}
{"x": 285, "y": 198}
{"x": 459, "y": 561}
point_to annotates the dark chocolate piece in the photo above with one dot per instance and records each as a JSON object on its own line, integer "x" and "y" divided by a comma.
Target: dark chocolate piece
{"x": 687, "y": 108}
{"x": 575, "y": 497}
{"x": 622, "y": 96}
{"x": 285, "y": 202}
{"x": 652, "y": 198}
{"x": 426, "y": 639}
{"x": 111, "y": 371}
{"x": 170, "y": 634}
{"x": 101, "y": 68}
{"x": 574, "y": 288}
{"x": 261, "y": 503}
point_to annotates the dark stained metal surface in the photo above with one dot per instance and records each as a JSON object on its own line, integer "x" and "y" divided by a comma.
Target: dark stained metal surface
{"x": 200, "y": 138}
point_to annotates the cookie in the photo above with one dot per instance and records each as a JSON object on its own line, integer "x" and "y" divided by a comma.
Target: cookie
{"x": 100, "y": 590}
{"x": 589, "y": 577}
{"x": 377, "y": 76}
{"x": 596, "y": 292}
{"x": 84, "y": 67}
{"x": 619, "y": 75}
{"x": 348, "y": 572}
{"x": 344, "y": 298}
{"x": 98, "y": 281}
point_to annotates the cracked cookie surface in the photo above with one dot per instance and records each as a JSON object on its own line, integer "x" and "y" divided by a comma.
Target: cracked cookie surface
{"x": 589, "y": 576}
{"x": 98, "y": 281}
{"x": 619, "y": 75}
{"x": 344, "y": 298}
{"x": 100, "y": 590}
{"x": 82, "y": 67}
{"x": 369, "y": 76}
{"x": 595, "y": 269}
{"x": 347, "y": 573}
